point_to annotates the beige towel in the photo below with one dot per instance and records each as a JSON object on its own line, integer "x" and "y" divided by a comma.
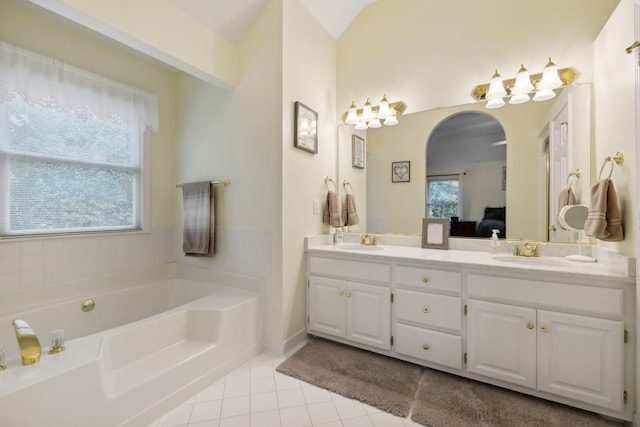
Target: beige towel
{"x": 331, "y": 215}
{"x": 197, "y": 213}
{"x": 603, "y": 219}
{"x": 566, "y": 197}
{"x": 349, "y": 213}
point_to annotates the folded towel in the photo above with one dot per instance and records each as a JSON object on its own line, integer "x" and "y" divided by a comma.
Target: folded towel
{"x": 566, "y": 197}
{"x": 331, "y": 215}
{"x": 197, "y": 208}
{"x": 349, "y": 213}
{"x": 603, "y": 220}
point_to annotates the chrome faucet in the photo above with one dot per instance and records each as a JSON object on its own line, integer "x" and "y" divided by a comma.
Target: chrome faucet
{"x": 27, "y": 341}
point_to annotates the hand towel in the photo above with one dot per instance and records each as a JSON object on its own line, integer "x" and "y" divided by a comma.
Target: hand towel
{"x": 198, "y": 215}
{"x": 331, "y": 214}
{"x": 566, "y": 197}
{"x": 349, "y": 212}
{"x": 603, "y": 219}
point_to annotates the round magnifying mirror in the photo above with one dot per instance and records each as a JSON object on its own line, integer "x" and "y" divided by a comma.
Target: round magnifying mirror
{"x": 573, "y": 217}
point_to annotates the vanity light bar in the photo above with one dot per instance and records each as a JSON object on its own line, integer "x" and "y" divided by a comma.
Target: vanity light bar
{"x": 567, "y": 75}
{"x": 399, "y": 107}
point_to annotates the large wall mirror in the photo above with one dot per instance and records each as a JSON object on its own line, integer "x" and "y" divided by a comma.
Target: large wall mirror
{"x": 545, "y": 141}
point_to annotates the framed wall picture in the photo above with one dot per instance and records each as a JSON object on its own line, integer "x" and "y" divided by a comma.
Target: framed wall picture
{"x": 401, "y": 171}
{"x": 435, "y": 233}
{"x": 357, "y": 152}
{"x": 305, "y": 132}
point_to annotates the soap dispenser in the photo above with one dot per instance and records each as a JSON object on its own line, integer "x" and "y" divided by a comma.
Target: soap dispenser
{"x": 495, "y": 243}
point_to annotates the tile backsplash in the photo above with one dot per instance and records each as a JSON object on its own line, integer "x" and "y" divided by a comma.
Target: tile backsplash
{"x": 43, "y": 261}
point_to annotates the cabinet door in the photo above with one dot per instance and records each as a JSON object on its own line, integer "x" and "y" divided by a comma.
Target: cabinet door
{"x": 501, "y": 342}
{"x": 581, "y": 358}
{"x": 327, "y": 306}
{"x": 369, "y": 314}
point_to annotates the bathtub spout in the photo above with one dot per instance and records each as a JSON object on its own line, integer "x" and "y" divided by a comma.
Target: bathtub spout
{"x": 27, "y": 341}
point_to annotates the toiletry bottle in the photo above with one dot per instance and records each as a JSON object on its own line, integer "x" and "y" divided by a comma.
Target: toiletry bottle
{"x": 338, "y": 237}
{"x": 495, "y": 243}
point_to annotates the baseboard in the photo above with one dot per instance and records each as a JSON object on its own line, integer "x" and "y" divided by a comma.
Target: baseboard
{"x": 278, "y": 348}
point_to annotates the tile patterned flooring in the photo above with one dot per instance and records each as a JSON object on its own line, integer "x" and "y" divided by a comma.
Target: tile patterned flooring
{"x": 255, "y": 395}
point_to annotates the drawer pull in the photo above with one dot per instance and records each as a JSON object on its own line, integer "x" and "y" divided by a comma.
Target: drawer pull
{"x": 425, "y": 346}
{"x": 349, "y": 294}
{"x": 425, "y": 279}
{"x": 530, "y": 325}
{"x": 340, "y": 292}
{"x": 425, "y": 310}
{"x": 545, "y": 329}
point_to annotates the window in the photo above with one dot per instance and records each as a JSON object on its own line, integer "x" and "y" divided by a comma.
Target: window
{"x": 71, "y": 148}
{"x": 444, "y": 196}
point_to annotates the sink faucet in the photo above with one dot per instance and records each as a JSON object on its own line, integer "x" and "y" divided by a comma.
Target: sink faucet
{"x": 27, "y": 341}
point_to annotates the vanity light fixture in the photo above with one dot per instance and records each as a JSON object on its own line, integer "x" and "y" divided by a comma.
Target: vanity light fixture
{"x": 519, "y": 88}
{"x": 374, "y": 116}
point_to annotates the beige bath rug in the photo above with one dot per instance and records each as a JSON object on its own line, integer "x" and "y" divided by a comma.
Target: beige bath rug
{"x": 380, "y": 381}
{"x": 448, "y": 400}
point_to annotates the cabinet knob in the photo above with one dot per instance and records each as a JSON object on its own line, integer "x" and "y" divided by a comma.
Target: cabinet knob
{"x": 340, "y": 292}
{"x": 349, "y": 294}
{"x": 425, "y": 346}
{"x": 425, "y": 310}
{"x": 530, "y": 325}
{"x": 425, "y": 279}
{"x": 545, "y": 329}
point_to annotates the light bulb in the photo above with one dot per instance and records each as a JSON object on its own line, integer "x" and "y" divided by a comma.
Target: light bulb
{"x": 495, "y": 103}
{"x": 519, "y": 99}
{"x": 496, "y": 87}
{"x": 550, "y": 77}
{"x": 391, "y": 121}
{"x": 352, "y": 115}
{"x": 367, "y": 113}
{"x": 523, "y": 82}
{"x": 375, "y": 123}
{"x": 362, "y": 125}
{"x": 543, "y": 95}
{"x": 383, "y": 109}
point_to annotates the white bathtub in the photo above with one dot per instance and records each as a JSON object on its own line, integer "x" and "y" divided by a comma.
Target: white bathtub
{"x": 142, "y": 350}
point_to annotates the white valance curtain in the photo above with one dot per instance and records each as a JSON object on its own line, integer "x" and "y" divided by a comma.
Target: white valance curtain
{"x": 54, "y": 84}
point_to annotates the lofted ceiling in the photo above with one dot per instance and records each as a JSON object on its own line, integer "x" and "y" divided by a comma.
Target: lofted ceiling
{"x": 232, "y": 19}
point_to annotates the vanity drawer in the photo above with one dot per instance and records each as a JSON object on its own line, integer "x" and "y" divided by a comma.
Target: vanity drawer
{"x": 348, "y": 269}
{"x": 429, "y": 309}
{"x": 559, "y": 296}
{"x": 429, "y": 279}
{"x": 430, "y": 346}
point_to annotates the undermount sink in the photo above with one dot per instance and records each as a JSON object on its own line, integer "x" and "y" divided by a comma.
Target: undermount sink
{"x": 528, "y": 260}
{"x": 358, "y": 247}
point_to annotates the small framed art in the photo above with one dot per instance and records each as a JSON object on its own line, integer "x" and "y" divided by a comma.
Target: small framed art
{"x": 401, "y": 171}
{"x": 357, "y": 152}
{"x": 435, "y": 233}
{"x": 305, "y": 130}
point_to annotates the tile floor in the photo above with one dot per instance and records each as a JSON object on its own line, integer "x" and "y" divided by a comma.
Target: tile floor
{"x": 255, "y": 395}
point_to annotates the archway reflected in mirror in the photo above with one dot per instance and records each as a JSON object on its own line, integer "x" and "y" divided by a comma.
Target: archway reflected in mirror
{"x": 466, "y": 159}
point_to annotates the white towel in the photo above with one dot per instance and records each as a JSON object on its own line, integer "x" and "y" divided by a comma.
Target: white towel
{"x": 197, "y": 211}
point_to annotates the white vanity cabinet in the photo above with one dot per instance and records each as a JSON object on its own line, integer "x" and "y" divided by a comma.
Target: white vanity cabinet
{"x": 357, "y": 311}
{"x": 428, "y": 315}
{"x": 565, "y": 334}
{"x": 571, "y": 355}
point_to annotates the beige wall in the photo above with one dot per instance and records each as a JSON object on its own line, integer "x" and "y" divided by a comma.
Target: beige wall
{"x": 159, "y": 29}
{"x": 615, "y": 115}
{"x": 309, "y": 65}
{"x": 433, "y": 57}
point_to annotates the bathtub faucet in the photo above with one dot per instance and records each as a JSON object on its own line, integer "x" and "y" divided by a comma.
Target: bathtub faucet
{"x": 27, "y": 341}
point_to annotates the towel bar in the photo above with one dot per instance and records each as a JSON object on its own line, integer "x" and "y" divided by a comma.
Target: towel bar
{"x": 618, "y": 159}
{"x": 346, "y": 183}
{"x": 225, "y": 182}
{"x": 576, "y": 173}
{"x": 328, "y": 180}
